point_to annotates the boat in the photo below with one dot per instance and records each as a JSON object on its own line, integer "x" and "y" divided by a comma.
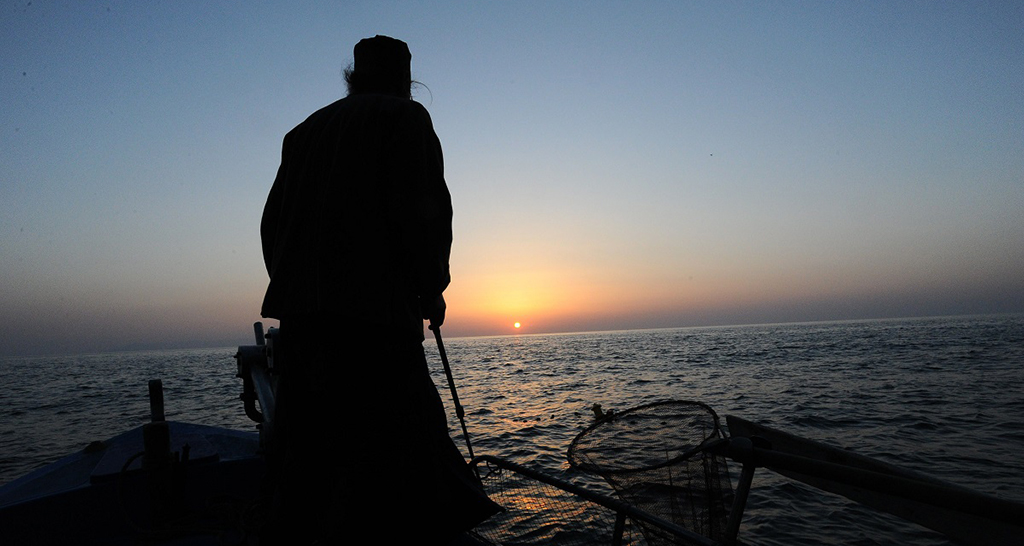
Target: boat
{"x": 119, "y": 492}
{"x": 177, "y": 483}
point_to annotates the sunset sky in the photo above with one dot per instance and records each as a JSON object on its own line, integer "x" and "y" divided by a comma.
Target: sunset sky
{"x": 612, "y": 164}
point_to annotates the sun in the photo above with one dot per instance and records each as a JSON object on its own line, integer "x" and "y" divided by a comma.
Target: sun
{"x": 517, "y": 326}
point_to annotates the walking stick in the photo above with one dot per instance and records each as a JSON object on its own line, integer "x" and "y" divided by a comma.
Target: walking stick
{"x": 451, "y": 385}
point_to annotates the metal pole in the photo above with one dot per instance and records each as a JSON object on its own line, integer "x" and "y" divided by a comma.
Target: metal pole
{"x": 451, "y": 386}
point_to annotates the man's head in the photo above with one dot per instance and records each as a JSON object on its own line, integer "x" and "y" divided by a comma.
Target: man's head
{"x": 381, "y": 66}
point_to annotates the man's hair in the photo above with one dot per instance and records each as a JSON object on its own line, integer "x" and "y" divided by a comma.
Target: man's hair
{"x": 359, "y": 82}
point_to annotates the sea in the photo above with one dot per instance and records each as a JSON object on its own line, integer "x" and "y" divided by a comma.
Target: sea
{"x": 940, "y": 395}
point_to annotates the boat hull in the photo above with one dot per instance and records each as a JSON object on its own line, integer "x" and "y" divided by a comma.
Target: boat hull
{"x": 102, "y": 495}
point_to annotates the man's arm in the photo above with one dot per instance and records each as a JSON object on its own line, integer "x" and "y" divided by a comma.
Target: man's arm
{"x": 270, "y": 223}
{"x": 429, "y": 225}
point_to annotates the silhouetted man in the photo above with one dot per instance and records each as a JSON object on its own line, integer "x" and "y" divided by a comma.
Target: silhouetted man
{"x": 356, "y": 237}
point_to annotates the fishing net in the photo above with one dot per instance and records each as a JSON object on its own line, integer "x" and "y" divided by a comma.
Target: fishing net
{"x": 539, "y": 514}
{"x": 652, "y": 456}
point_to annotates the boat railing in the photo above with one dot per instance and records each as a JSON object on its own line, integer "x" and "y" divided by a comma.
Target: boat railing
{"x": 940, "y": 496}
{"x": 259, "y": 380}
{"x": 966, "y": 516}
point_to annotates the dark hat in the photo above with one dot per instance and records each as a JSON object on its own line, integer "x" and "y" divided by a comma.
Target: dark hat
{"x": 381, "y": 55}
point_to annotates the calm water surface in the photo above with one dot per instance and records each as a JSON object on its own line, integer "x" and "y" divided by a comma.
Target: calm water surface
{"x": 941, "y": 395}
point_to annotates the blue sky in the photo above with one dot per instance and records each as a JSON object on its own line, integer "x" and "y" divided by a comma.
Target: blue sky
{"x": 612, "y": 164}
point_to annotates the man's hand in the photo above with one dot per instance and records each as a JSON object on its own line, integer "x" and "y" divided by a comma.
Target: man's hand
{"x": 433, "y": 309}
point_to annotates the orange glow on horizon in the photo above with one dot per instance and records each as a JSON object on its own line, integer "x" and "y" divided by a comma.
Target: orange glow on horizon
{"x": 560, "y": 298}
{"x": 509, "y": 294}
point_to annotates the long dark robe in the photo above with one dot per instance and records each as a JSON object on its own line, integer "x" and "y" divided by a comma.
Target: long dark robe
{"x": 356, "y": 231}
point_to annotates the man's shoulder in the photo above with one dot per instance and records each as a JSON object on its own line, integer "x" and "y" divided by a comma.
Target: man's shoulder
{"x": 328, "y": 111}
{"x": 383, "y": 107}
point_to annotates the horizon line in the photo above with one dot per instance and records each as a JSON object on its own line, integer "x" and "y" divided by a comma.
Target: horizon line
{"x": 213, "y": 346}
